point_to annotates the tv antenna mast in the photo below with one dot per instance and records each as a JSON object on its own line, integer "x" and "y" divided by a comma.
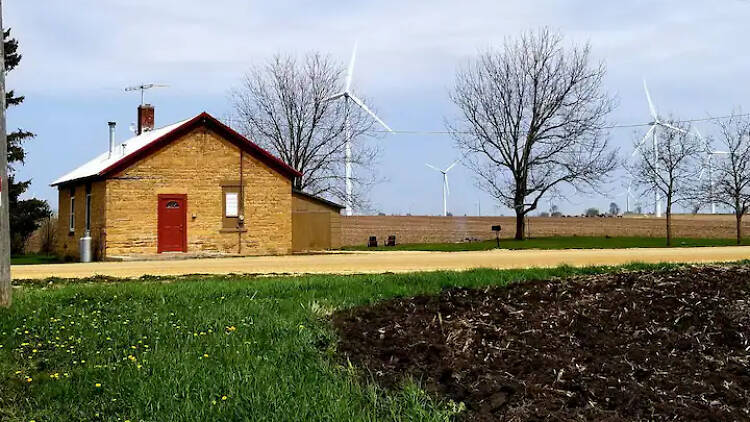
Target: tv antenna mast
{"x": 143, "y": 88}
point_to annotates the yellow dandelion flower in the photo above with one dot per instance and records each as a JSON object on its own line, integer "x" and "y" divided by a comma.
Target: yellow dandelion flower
{"x": 98, "y": 385}
{"x": 224, "y": 398}
{"x": 29, "y": 379}
{"x": 205, "y": 355}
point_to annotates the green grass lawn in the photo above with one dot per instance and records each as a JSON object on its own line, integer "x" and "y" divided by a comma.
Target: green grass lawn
{"x": 557, "y": 243}
{"x": 33, "y": 259}
{"x": 207, "y": 349}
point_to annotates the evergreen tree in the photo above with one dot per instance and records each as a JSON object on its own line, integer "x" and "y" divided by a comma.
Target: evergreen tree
{"x": 26, "y": 214}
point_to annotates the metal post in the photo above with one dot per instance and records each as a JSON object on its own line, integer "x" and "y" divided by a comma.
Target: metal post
{"x": 5, "y": 286}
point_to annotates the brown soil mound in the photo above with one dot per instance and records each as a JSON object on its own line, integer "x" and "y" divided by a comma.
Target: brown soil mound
{"x": 671, "y": 345}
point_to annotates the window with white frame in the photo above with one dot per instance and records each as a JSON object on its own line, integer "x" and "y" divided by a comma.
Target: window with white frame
{"x": 231, "y": 196}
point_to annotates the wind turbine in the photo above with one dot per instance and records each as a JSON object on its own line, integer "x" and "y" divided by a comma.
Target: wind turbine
{"x": 656, "y": 123}
{"x": 446, "y": 188}
{"x": 347, "y": 95}
{"x": 708, "y": 166}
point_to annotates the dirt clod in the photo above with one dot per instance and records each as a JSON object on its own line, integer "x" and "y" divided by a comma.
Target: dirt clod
{"x": 670, "y": 345}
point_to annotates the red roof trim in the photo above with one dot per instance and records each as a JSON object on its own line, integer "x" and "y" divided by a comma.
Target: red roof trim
{"x": 211, "y": 122}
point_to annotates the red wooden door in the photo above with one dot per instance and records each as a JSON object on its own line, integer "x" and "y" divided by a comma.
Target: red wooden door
{"x": 172, "y": 216}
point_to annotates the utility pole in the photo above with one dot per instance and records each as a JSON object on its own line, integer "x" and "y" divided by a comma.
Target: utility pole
{"x": 5, "y": 287}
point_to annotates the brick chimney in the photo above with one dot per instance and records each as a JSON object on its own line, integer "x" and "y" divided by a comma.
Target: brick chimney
{"x": 145, "y": 118}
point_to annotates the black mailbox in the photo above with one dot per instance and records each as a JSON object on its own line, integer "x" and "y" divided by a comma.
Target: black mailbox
{"x": 496, "y": 229}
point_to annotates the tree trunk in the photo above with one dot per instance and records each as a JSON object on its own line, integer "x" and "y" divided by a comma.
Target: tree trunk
{"x": 669, "y": 223}
{"x": 738, "y": 216}
{"x": 520, "y": 226}
{"x": 5, "y": 286}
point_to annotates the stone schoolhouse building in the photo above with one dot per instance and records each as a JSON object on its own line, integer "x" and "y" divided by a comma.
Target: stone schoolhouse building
{"x": 195, "y": 186}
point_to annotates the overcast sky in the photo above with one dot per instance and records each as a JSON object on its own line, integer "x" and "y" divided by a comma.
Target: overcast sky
{"x": 78, "y": 55}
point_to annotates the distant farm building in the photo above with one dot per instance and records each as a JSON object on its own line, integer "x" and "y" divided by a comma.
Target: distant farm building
{"x": 196, "y": 187}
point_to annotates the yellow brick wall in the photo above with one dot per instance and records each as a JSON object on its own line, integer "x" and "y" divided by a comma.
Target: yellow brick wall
{"x": 67, "y": 242}
{"x": 196, "y": 165}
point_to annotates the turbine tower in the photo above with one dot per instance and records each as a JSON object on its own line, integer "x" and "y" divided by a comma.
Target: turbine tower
{"x": 446, "y": 188}
{"x": 347, "y": 95}
{"x": 655, "y": 124}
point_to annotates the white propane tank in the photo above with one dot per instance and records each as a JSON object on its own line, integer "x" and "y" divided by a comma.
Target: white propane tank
{"x": 84, "y": 247}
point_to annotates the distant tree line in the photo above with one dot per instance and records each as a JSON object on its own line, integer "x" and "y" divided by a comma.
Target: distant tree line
{"x": 532, "y": 120}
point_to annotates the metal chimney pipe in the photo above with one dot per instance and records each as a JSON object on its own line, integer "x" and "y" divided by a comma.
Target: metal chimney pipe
{"x": 111, "y": 137}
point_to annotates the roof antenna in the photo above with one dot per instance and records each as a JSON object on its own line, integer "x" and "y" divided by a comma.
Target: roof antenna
{"x": 143, "y": 88}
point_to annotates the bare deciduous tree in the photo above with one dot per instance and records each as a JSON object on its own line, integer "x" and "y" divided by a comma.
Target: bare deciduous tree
{"x": 670, "y": 171}
{"x": 532, "y": 119}
{"x": 731, "y": 169}
{"x": 283, "y": 107}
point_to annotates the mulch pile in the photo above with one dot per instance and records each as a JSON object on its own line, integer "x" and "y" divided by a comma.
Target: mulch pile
{"x": 669, "y": 345}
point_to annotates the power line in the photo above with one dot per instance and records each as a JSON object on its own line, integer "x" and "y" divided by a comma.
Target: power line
{"x": 231, "y": 122}
{"x": 617, "y": 126}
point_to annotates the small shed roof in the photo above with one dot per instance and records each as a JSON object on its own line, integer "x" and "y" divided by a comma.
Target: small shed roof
{"x": 318, "y": 199}
{"x": 139, "y": 147}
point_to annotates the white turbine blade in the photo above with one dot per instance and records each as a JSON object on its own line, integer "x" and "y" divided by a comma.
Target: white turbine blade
{"x": 447, "y": 186}
{"x": 667, "y": 125}
{"x": 650, "y": 103}
{"x": 719, "y": 152}
{"x": 643, "y": 141}
{"x": 433, "y": 167}
{"x": 451, "y": 166}
{"x": 365, "y": 108}
{"x": 350, "y": 69}
{"x": 700, "y": 175}
{"x": 334, "y": 97}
